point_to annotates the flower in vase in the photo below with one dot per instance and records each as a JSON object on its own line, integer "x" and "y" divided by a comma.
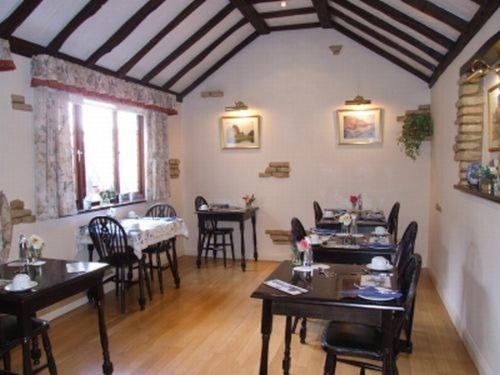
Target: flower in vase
{"x": 304, "y": 244}
{"x": 36, "y": 242}
{"x": 354, "y": 199}
{"x": 249, "y": 199}
{"x": 346, "y": 220}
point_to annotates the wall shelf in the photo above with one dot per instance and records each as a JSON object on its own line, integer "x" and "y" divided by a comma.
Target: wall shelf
{"x": 478, "y": 193}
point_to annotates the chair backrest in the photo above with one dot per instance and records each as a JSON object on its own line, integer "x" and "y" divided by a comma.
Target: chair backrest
{"x": 161, "y": 210}
{"x": 392, "y": 221}
{"x": 408, "y": 282}
{"x": 298, "y": 231}
{"x": 208, "y": 224}
{"x": 110, "y": 240}
{"x": 318, "y": 212}
{"x": 406, "y": 247}
{"x": 199, "y": 201}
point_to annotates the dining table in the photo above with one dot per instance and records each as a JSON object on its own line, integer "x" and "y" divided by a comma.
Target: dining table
{"x": 57, "y": 280}
{"x": 357, "y": 248}
{"x": 330, "y": 295}
{"x": 367, "y": 220}
{"x": 229, "y": 214}
{"x": 143, "y": 232}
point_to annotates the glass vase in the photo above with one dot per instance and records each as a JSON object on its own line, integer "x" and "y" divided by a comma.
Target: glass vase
{"x": 295, "y": 257}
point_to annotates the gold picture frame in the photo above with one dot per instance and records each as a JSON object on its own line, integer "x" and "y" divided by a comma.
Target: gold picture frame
{"x": 494, "y": 118}
{"x": 240, "y": 132}
{"x": 359, "y": 126}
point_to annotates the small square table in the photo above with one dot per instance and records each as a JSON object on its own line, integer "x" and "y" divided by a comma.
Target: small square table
{"x": 55, "y": 283}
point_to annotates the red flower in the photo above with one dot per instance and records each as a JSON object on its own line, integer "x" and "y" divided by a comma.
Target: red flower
{"x": 353, "y": 198}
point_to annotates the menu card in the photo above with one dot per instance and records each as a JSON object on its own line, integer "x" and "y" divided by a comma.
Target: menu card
{"x": 285, "y": 287}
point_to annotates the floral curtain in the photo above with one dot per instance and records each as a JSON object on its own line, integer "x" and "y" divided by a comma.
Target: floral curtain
{"x": 5, "y": 228}
{"x": 54, "y": 168}
{"x": 157, "y": 181}
{"x": 6, "y": 62}
{"x": 48, "y": 71}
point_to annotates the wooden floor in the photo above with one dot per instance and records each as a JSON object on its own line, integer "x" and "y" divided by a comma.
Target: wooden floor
{"x": 211, "y": 326}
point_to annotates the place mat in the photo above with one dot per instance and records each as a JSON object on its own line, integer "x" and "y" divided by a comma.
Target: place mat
{"x": 285, "y": 287}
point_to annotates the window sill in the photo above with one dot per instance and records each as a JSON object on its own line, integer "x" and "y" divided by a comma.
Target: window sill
{"x": 108, "y": 206}
{"x": 478, "y": 193}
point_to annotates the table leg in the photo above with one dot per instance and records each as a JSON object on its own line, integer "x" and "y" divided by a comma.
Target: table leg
{"x": 24, "y": 327}
{"x": 266, "y": 328}
{"x": 242, "y": 233}
{"x": 388, "y": 343}
{"x": 288, "y": 339}
{"x": 107, "y": 366}
{"x": 198, "y": 258}
{"x": 176, "y": 266}
{"x": 255, "y": 253}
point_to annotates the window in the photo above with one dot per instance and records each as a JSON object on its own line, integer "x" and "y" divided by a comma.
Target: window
{"x": 109, "y": 152}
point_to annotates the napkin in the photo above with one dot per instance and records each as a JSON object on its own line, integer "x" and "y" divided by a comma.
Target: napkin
{"x": 379, "y": 292}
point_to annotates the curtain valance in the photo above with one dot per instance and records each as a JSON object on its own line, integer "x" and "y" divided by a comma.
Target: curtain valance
{"x": 48, "y": 71}
{"x": 6, "y": 62}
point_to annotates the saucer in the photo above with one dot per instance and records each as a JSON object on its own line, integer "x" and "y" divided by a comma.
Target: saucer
{"x": 303, "y": 269}
{"x": 387, "y": 268}
{"x": 376, "y": 299}
{"x": 37, "y": 263}
{"x": 320, "y": 266}
{"x": 9, "y": 288}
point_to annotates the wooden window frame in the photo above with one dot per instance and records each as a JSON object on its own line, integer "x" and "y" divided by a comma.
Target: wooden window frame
{"x": 79, "y": 160}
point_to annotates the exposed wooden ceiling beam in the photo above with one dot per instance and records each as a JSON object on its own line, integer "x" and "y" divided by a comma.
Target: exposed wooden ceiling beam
{"x": 287, "y": 12}
{"x": 482, "y": 15}
{"x": 189, "y": 42}
{"x": 388, "y": 27}
{"x": 380, "y": 52}
{"x": 17, "y": 17}
{"x": 296, "y": 26}
{"x": 91, "y": 8}
{"x": 324, "y": 17}
{"x": 199, "y": 58}
{"x": 411, "y": 22}
{"x": 383, "y": 39}
{"x": 438, "y": 13}
{"x": 29, "y": 49}
{"x": 195, "y": 4}
{"x": 219, "y": 63}
{"x": 125, "y": 30}
{"x": 251, "y": 15}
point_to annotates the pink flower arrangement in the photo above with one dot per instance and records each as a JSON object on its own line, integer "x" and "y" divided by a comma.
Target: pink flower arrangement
{"x": 354, "y": 199}
{"x": 304, "y": 244}
{"x": 249, "y": 199}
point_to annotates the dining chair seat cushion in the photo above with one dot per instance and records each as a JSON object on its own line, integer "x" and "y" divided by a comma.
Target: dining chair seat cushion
{"x": 352, "y": 340}
{"x": 9, "y": 333}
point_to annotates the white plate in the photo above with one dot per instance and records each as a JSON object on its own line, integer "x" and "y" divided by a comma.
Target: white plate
{"x": 303, "y": 269}
{"x": 371, "y": 267}
{"x": 357, "y": 235}
{"x": 380, "y": 235}
{"x": 377, "y": 299}
{"x": 32, "y": 284}
{"x": 341, "y": 234}
{"x": 321, "y": 266}
{"x": 37, "y": 263}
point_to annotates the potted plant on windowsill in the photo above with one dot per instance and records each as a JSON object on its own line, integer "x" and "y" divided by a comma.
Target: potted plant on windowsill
{"x": 417, "y": 128}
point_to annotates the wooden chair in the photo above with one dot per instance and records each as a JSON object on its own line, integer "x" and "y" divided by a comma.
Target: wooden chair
{"x": 9, "y": 339}
{"x": 364, "y": 341}
{"x": 298, "y": 233}
{"x": 392, "y": 221}
{"x": 318, "y": 212}
{"x": 213, "y": 237}
{"x": 110, "y": 241}
{"x": 163, "y": 210}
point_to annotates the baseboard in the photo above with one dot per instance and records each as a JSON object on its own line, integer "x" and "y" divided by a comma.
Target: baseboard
{"x": 481, "y": 363}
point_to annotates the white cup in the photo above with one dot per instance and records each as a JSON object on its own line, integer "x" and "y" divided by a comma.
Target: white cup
{"x": 314, "y": 238}
{"x": 380, "y": 262}
{"x": 328, "y": 214}
{"x": 132, "y": 215}
{"x": 20, "y": 281}
{"x": 203, "y": 207}
{"x": 380, "y": 231}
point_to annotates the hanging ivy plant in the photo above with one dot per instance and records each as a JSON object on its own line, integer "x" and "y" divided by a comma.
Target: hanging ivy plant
{"x": 417, "y": 127}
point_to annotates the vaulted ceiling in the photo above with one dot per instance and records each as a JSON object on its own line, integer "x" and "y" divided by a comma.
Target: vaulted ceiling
{"x": 174, "y": 45}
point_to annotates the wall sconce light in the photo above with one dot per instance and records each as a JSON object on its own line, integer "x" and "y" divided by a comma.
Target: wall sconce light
{"x": 358, "y": 100}
{"x": 479, "y": 69}
{"x": 238, "y": 106}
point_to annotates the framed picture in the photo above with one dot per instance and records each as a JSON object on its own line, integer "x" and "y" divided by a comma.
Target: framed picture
{"x": 494, "y": 118}
{"x": 240, "y": 132}
{"x": 359, "y": 126}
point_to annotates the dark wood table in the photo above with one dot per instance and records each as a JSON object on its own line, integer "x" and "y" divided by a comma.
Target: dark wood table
{"x": 54, "y": 285}
{"x": 324, "y": 300}
{"x": 364, "y": 225}
{"x": 335, "y": 251}
{"x": 229, "y": 215}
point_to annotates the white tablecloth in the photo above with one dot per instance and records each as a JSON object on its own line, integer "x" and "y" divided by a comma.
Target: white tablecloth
{"x": 149, "y": 232}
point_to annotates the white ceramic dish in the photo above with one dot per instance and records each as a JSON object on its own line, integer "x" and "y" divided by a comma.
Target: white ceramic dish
{"x": 303, "y": 269}
{"x": 376, "y": 299}
{"x": 37, "y": 263}
{"x": 32, "y": 284}
{"x": 320, "y": 266}
{"x": 373, "y": 268}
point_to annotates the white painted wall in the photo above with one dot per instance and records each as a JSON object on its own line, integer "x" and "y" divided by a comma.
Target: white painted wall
{"x": 465, "y": 238}
{"x": 294, "y": 82}
{"x": 17, "y": 168}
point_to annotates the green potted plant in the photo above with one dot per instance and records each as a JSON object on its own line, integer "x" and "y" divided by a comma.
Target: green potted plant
{"x": 488, "y": 177}
{"x": 416, "y": 129}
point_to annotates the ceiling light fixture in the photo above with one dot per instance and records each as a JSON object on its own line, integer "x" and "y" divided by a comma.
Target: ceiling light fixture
{"x": 358, "y": 100}
{"x": 479, "y": 69}
{"x": 283, "y": 4}
{"x": 238, "y": 106}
